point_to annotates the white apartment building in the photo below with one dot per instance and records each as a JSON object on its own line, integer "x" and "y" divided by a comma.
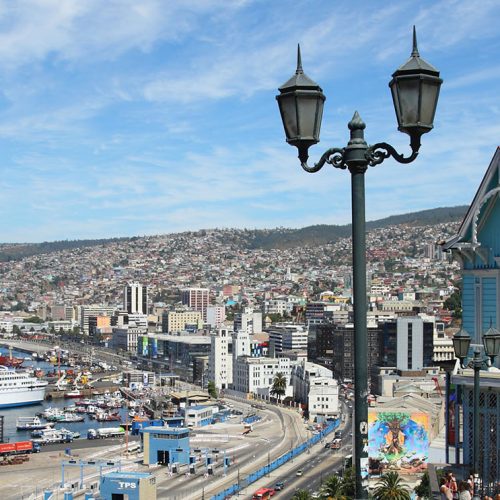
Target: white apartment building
{"x": 314, "y": 386}
{"x": 242, "y": 346}
{"x": 256, "y": 375}
{"x": 216, "y": 315}
{"x": 220, "y": 360}
{"x": 276, "y": 306}
{"x": 287, "y": 337}
{"x": 249, "y": 321}
{"x": 323, "y": 399}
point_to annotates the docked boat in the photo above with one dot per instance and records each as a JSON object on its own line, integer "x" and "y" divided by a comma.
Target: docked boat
{"x": 73, "y": 394}
{"x": 11, "y": 361}
{"x": 52, "y": 436}
{"x": 30, "y": 424}
{"x": 19, "y": 388}
{"x": 71, "y": 418}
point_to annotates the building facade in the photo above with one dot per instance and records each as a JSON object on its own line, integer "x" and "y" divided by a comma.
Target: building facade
{"x": 135, "y": 298}
{"x": 197, "y": 299}
{"x": 477, "y": 247}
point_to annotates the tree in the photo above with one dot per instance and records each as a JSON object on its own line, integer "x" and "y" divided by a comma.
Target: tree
{"x": 16, "y": 330}
{"x": 349, "y": 483}
{"x": 391, "y": 487}
{"x": 302, "y": 495}
{"x": 212, "y": 390}
{"x": 454, "y": 303}
{"x": 279, "y": 385}
{"x": 33, "y": 319}
{"x": 395, "y": 421}
{"x": 423, "y": 489}
{"x": 333, "y": 488}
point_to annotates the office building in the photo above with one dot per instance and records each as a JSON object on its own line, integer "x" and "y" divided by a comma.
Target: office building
{"x": 135, "y": 299}
{"x": 197, "y": 299}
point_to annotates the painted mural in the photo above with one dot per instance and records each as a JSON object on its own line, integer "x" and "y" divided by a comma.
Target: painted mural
{"x": 398, "y": 440}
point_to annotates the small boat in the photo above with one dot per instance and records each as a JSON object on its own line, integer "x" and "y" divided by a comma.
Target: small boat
{"x": 71, "y": 418}
{"x": 40, "y": 432}
{"x": 75, "y": 393}
{"x": 10, "y": 361}
{"x": 30, "y": 423}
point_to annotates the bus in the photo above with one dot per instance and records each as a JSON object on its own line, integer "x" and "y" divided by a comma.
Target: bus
{"x": 263, "y": 494}
{"x": 347, "y": 461}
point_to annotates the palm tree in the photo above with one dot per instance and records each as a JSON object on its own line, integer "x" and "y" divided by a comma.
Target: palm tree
{"x": 279, "y": 385}
{"x": 302, "y": 495}
{"x": 333, "y": 488}
{"x": 391, "y": 487}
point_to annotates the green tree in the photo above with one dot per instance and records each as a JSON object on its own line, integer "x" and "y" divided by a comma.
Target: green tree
{"x": 423, "y": 489}
{"x": 33, "y": 319}
{"x": 302, "y": 495}
{"x": 333, "y": 488}
{"x": 391, "y": 487}
{"x": 212, "y": 390}
{"x": 279, "y": 385}
{"x": 454, "y": 303}
{"x": 16, "y": 330}
{"x": 349, "y": 483}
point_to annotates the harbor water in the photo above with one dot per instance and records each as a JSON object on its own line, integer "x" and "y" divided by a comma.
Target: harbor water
{"x": 12, "y": 414}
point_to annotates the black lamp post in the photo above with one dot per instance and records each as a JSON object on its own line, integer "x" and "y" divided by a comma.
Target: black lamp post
{"x": 415, "y": 90}
{"x": 461, "y": 344}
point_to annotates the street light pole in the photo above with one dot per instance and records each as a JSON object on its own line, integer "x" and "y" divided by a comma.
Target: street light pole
{"x": 477, "y": 362}
{"x": 415, "y": 90}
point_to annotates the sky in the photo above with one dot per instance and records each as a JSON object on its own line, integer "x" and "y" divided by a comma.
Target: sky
{"x": 131, "y": 118}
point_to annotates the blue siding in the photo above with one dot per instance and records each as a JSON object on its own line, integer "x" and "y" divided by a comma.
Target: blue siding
{"x": 468, "y": 307}
{"x": 489, "y": 234}
{"x": 489, "y": 302}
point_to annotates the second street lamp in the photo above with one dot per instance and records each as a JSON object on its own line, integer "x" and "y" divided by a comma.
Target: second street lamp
{"x": 461, "y": 344}
{"x": 415, "y": 90}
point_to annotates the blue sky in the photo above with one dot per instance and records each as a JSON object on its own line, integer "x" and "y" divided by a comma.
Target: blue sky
{"x": 122, "y": 118}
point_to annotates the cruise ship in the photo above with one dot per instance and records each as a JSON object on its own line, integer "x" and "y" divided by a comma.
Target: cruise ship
{"x": 19, "y": 388}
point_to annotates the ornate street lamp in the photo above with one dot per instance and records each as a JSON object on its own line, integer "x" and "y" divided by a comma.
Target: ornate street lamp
{"x": 491, "y": 342}
{"x": 461, "y": 343}
{"x": 415, "y": 91}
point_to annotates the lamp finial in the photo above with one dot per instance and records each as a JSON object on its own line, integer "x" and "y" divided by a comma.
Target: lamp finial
{"x": 414, "y": 52}
{"x": 299, "y": 61}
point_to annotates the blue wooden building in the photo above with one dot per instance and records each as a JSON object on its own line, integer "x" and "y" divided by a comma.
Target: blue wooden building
{"x": 477, "y": 247}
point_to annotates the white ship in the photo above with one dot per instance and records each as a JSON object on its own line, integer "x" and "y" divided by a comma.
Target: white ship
{"x": 19, "y": 388}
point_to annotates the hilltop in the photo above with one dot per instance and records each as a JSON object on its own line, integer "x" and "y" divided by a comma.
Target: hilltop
{"x": 280, "y": 238}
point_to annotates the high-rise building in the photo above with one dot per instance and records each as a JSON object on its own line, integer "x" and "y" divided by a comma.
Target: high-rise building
{"x": 220, "y": 361}
{"x": 135, "y": 299}
{"x": 216, "y": 315}
{"x": 249, "y": 320}
{"x": 407, "y": 343}
{"x": 197, "y": 299}
{"x": 333, "y": 347}
{"x": 287, "y": 337}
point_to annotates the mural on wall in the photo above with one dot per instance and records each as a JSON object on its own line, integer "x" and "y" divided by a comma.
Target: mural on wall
{"x": 398, "y": 441}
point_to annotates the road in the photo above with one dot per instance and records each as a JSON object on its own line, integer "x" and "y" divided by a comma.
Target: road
{"x": 314, "y": 467}
{"x": 282, "y": 431}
